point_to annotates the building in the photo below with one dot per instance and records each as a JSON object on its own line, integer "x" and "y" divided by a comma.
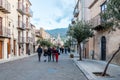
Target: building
{"x": 103, "y": 44}
{"x": 81, "y": 13}
{"x": 14, "y": 27}
{"x": 5, "y": 31}
{"x": 37, "y": 37}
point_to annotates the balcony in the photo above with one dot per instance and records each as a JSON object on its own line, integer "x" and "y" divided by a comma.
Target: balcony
{"x": 97, "y": 22}
{"x": 28, "y": 39}
{"x": 28, "y": 26}
{"x": 21, "y": 8}
{"x": 37, "y": 33}
{"x": 21, "y": 40}
{"x": 29, "y": 12}
{"x": 74, "y": 20}
{"x": 76, "y": 12}
{"x": 5, "y": 6}
{"x": 34, "y": 43}
{"x": 5, "y": 32}
{"x": 21, "y": 25}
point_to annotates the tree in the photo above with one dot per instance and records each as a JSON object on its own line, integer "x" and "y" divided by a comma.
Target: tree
{"x": 112, "y": 20}
{"x": 44, "y": 43}
{"x": 67, "y": 43}
{"x": 111, "y": 16}
{"x": 80, "y": 31}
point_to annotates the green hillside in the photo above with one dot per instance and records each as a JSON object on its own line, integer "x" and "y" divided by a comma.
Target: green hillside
{"x": 55, "y": 32}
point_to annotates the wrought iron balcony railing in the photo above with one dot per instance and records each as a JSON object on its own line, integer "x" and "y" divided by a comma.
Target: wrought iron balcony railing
{"x": 5, "y": 32}
{"x": 21, "y": 25}
{"x": 21, "y": 8}
{"x": 76, "y": 12}
{"x": 29, "y": 12}
{"x": 95, "y": 21}
{"x": 21, "y": 40}
{"x": 74, "y": 20}
{"x": 5, "y": 6}
{"x": 28, "y": 26}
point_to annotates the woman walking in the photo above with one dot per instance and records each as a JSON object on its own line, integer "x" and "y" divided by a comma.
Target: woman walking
{"x": 45, "y": 55}
{"x": 56, "y": 54}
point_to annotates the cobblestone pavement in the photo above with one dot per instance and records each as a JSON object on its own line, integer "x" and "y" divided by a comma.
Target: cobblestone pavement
{"x": 30, "y": 69}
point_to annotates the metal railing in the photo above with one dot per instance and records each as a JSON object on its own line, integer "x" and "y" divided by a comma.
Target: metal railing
{"x": 5, "y": 32}
{"x": 95, "y": 21}
{"x": 5, "y": 6}
{"x": 21, "y": 24}
{"x": 29, "y": 12}
{"x": 28, "y": 39}
{"x": 21, "y": 39}
{"x": 76, "y": 12}
{"x": 28, "y": 25}
{"x": 21, "y": 8}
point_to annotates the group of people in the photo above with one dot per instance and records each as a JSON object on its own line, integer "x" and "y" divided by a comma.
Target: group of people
{"x": 65, "y": 50}
{"x": 48, "y": 53}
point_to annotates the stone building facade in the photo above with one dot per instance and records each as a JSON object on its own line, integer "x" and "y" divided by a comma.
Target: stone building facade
{"x": 104, "y": 43}
{"x": 14, "y": 26}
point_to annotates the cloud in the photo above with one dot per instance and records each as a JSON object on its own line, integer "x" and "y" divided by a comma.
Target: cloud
{"x": 52, "y": 14}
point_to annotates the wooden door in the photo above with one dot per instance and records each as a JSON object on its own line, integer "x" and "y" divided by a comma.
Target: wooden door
{"x": 14, "y": 47}
{"x": 103, "y": 48}
{"x": 8, "y": 45}
{"x": 0, "y": 49}
{"x": 27, "y": 46}
{"x": 0, "y": 26}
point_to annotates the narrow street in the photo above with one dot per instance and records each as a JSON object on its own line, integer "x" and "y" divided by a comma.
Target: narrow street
{"x": 30, "y": 69}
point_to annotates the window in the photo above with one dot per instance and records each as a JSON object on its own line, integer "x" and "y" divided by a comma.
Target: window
{"x": 103, "y": 7}
{"x": 9, "y": 24}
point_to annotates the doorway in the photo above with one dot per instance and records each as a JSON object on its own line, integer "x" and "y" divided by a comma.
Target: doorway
{"x": 103, "y": 48}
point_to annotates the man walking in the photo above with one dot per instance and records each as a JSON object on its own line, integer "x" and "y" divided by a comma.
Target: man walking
{"x": 49, "y": 54}
{"x": 39, "y": 50}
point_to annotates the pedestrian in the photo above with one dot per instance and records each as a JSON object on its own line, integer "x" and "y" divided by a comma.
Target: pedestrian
{"x": 28, "y": 51}
{"x": 39, "y": 51}
{"x": 69, "y": 49}
{"x": 45, "y": 55}
{"x": 55, "y": 51}
{"x": 62, "y": 50}
{"x": 52, "y": 52}
{"x": 49, "y": 54}
{"x": 65, "y": 50}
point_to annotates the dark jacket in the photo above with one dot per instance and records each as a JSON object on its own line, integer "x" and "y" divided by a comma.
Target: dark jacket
{"x": 39, "y": 50}
{"x": 45, "y": 53}
{"x": 49, "y": 51}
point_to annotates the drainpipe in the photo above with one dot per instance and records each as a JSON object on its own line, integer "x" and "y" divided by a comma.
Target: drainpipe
{"x": 83, "y": 6}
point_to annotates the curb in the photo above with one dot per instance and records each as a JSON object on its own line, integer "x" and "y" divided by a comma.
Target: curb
{"x": 16, "y": 58}
{"x": 86, "y": 74}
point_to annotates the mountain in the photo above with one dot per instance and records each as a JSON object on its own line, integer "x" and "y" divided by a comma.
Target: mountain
{"x": 55, "y": 32}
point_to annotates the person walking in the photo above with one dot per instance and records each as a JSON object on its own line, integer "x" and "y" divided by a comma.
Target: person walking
{"x": 49, "y": 54}
{"x": 65, "y": 50}
{"x": 45, "y": 55}
{"x": 39, "y": 51}
{"x": 28, "y": 51}
{"x": 62, "y": 50}
{"x": 69, "y": 49}
{"x": 55, "y": 54}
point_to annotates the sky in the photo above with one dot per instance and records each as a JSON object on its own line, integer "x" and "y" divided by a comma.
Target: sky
{"x": 52, "y": 14}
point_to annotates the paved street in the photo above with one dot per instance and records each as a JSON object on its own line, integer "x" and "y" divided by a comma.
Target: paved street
{"x": 30, "y": 69}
